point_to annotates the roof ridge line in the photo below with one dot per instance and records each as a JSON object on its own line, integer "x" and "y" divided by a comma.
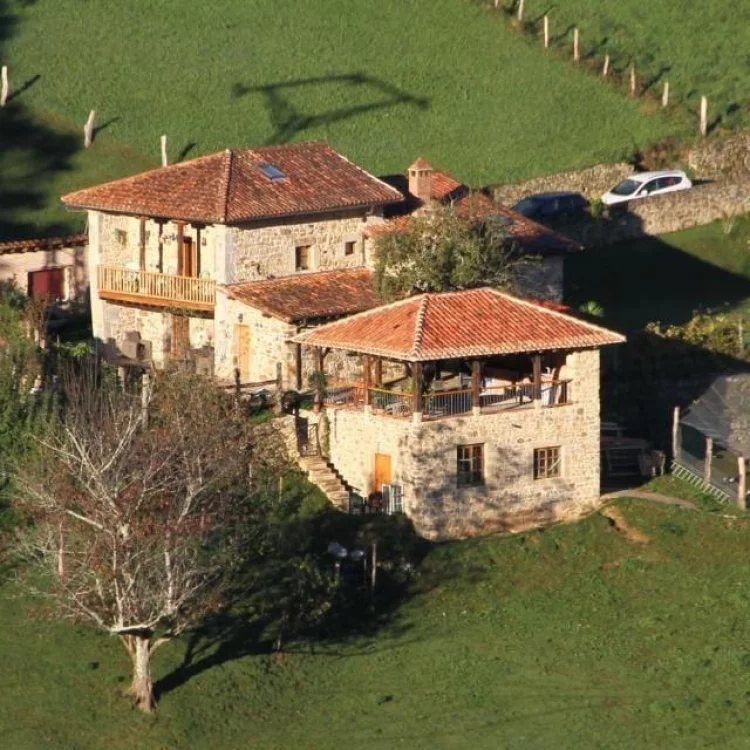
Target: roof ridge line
{"x": 419, "y": 325}
{"x": 556, "y": 313}
{"x": 224, "y": 212}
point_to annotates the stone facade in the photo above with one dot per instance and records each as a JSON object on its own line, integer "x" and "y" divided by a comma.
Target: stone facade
{"x": 423, "y": 460}
{"x": 260, "y": 251}
{"x": 227, "y": 255}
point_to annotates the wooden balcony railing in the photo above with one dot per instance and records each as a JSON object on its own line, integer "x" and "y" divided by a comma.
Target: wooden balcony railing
{"x": 448, "y": 403}
{"x": 157, "y": 289}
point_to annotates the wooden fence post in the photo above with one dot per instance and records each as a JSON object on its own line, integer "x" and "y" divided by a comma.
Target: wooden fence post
{"x": 741, "y": 483}
{"x": 88, "y": 130}
{"x": 546, "y": 32}
{"x": 665, "y": 95}
{"x": 576, "y": 51}
{"x": 605, "y": 67}
{"x": 675, "y": 434}
{"x": 707, "y": 460}
{"x": 520, "y": 10}
{"x": 632, "y": 79}
{"x": 164, "y": 160}
{"x": 704, "y": 116}
{"x": 5, "y": 86}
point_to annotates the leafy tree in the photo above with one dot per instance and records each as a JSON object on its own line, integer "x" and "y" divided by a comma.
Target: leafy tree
{"x": 442, "y": 251}
{"x": 145, "y": 506}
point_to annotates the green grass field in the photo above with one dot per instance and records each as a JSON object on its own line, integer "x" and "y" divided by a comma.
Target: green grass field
{"x": 700, "y": 47}
{"x": 383, "y": 82}
{"x": 665, "y": 278}
{"x": 574, "y": 637}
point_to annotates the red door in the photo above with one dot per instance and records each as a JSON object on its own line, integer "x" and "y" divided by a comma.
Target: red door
{"x": 49, "y": 283}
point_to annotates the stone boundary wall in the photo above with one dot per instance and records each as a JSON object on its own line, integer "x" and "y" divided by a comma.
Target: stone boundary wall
{"x": 592, "y": 182}
{"x": 722, "y": 169}
{"x": 665, "y": 213}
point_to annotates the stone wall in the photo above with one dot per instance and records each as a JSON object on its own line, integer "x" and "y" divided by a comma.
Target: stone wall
{"x": 269, "y": 250}
{"x": 660, "y": 214}
{"x": 423, "y": 460}
{"x": 592, "y": 182}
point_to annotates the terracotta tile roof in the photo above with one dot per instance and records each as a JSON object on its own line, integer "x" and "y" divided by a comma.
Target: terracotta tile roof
{"x": 453, "y": 325}
{"x": 308, "y": 296}
{"x": 230, "y": 186}
{"x": 48, "y": 243}
{"x": 531, "y": 238}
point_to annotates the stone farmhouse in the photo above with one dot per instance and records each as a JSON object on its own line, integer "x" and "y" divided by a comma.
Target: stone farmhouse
{"x": 219, "y": 262}
{"x": 492, "y": 424}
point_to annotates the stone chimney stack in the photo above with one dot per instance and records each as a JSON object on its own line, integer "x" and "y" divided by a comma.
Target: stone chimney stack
{"x": 420, "y": 180}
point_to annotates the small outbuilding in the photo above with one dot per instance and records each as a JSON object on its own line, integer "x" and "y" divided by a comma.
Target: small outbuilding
{"x": 711, "y": 439}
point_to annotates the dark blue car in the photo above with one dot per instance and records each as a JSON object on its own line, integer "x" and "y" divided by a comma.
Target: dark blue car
{"x": 551, "y": 206}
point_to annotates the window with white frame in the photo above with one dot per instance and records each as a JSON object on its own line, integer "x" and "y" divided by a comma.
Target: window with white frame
{"x": 547, "y": 462}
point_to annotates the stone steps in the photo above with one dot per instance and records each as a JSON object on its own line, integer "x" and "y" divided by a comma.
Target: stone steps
{"x": 321, "y": 474}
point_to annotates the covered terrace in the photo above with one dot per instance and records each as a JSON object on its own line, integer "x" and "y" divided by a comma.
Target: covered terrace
{"x": 457, "y": 353}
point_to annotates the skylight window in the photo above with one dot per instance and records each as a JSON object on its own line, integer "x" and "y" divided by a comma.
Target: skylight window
{"x": 273, "y": 173}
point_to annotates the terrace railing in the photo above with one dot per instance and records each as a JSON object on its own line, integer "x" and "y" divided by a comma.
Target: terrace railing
{"x": 447, "y": 403}
{"x": 159, "y": 289}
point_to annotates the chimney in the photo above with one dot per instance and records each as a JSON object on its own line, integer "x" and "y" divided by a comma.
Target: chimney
{"x": 420, "y": 180}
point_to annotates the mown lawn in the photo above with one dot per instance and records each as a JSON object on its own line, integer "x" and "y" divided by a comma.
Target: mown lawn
{"x": 573, "y": 637}
{"x": 383, "y": 82}
{"x": 700, "y": 47}
{"x": 665, "y": 278}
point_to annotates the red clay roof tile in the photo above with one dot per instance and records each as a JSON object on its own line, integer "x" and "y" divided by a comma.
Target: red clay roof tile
{"x": 231, "y": 186}
{"x": 454, "y": 325}
{"x": 45, "y": 243}
{"x": 308, "y": 296}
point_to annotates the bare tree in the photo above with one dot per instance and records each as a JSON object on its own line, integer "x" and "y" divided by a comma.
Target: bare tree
{"x": 143, "y": 523}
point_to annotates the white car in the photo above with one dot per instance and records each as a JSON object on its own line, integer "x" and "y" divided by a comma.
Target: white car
{"x": 644, "y": 184}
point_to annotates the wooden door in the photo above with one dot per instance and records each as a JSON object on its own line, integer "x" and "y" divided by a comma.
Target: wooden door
{"x": 47, "y": 284}
{"x": 242, "y": 351}
{"x": 180, "y": 336}
{"x": 187, "y": 264}
{"x": 382, "y": 470}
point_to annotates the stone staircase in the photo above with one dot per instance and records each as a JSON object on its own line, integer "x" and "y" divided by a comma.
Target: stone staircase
{"x": 324, "y": 475}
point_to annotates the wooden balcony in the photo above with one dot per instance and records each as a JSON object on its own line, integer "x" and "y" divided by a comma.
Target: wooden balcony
{"x": 156, "y": 289}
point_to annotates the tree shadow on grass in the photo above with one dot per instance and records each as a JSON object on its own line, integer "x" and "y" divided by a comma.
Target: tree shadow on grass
{"x": 283, "y": 604}
{"x": 32, "y": 153}
{"x": 288, "y": 122}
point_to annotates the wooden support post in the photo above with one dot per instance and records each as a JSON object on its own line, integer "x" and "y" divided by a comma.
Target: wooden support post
{"x": 378, "y": 373}
{"x": 536, "y": 364}
{"x": 142, "y": 243}
{"x": 418, "y": 379}
{"x": 675, "y": 434}
{"x": 279, "y": 406}
{"x": 5, "y": 86}
{"x": 741, "y": 483}
{"x": 632, "y": 79}
{"x": 180, "y": 242}
{"x": 164, "y": 160}
{"x": 88, "y": 130}
{"x": 704, "y": 116}
{"x": 665, "y": 95}
{"x": 298, "y": 364}
{"x": 476, "y": 377}
{"x": 605, "y": 67}
{"x": 161, "y": 246}
{"x": 520, "y": 10}
{"x": 546, "y": 32}
{"x": 367, "y": 366}
{"x": 319, "y": 363}
{"x": 707, "y": 458}
{"x": 576, "y": 50}
{"x": 145, "y": 398}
